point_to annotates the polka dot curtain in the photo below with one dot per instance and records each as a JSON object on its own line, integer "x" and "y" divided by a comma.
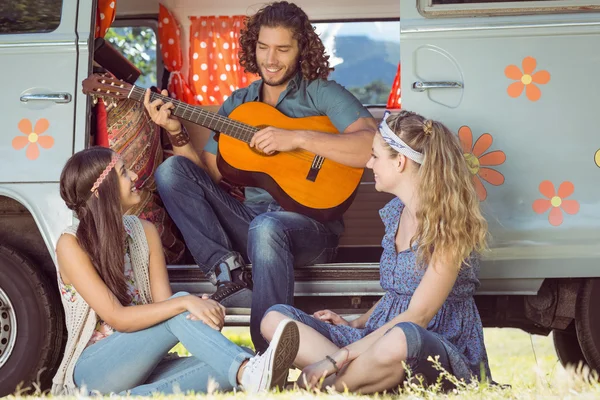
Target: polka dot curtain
{"x": 169, "y": 33}
{"x": 105, "y": 15}
{"x": 395, "y": 99}
{"x": 215, "y": 71}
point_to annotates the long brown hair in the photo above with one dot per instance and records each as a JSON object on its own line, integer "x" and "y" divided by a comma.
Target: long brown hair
{"x": 314, "y": 63}
{"x": 450, "y": 222}
{"x": 100, "y": 233}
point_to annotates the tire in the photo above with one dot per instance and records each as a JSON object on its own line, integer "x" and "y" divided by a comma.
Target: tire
{"x": 567, "y": 346}
{"x": 32, "y": 330}
{"x": 587, "y": 322}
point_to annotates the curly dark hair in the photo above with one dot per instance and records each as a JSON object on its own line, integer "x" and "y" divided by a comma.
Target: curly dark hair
{"x": 313, "y": 60}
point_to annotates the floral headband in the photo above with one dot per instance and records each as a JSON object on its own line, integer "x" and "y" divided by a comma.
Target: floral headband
{"x": 104, "y": 173}
{"x": 396, "y": 143}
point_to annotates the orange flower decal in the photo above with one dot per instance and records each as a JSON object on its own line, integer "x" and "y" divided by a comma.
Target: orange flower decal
{"x": 33, "y": 137}
{"x": 478, "y": 162}
{"x": 526, "y": 79}
{"x": 556, "y": 201}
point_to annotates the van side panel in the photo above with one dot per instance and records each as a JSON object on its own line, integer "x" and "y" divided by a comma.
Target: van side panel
{"x": 38, "y": 133}
{"x": 529, "y": 88}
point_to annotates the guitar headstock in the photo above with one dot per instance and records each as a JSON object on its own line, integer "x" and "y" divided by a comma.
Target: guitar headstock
{"x": 103, "y": 86}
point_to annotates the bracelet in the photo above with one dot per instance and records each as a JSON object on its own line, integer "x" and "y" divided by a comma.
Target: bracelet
{"x": 181, "y": 139}
{"x": 334, "y": 364}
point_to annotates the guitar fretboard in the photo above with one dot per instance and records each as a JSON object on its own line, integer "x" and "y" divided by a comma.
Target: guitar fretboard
{"x": 197, "y": 115}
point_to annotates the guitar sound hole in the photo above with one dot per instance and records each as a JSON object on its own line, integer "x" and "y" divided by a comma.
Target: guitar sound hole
{"x": 259, "y": 152}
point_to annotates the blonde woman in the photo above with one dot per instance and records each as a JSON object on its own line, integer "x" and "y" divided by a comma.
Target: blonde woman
{"x": 434, "y": 232}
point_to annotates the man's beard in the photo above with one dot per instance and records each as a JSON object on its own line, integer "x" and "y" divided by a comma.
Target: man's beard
{"x": 289, "y": 74}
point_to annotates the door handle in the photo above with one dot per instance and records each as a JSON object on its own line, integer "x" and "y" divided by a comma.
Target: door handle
{"x": 423, "y": 86}
{"x": 55, "y": 97}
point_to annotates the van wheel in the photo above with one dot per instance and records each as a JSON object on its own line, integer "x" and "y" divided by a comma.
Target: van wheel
{"x": 567, "y": 346}
{"x": 31, "y": 325}
{"x": 587, "y": 322}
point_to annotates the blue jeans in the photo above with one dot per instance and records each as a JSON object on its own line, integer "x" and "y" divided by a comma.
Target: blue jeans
{"x": 134, "y": 362}
{"x": 420, "y": 343}
{"x": 216, "y": 226}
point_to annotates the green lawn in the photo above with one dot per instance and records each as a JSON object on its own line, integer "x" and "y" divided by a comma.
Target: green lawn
{"x": 521, "y": 359}
{"x": 526, "y": 362}
{"x": 512, "y": 355}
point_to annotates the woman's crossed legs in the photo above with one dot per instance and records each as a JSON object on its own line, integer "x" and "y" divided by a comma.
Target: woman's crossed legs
{"x": 375, "y": 370}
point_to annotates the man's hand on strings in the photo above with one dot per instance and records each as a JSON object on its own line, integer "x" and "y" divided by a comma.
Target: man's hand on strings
{"x": 270, "y": 140}
{"x": 161, "y": 113}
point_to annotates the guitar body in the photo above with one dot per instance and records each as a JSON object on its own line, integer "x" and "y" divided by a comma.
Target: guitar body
{"x": 298, "y": 180}
{"x": 324, "y": 192}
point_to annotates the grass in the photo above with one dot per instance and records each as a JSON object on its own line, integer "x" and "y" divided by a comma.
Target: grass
{"x": 526, "y": 362}
{"x": 520, "y": 359}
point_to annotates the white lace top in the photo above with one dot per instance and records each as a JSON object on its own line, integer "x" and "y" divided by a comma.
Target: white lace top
{"x": 81, "y": 320}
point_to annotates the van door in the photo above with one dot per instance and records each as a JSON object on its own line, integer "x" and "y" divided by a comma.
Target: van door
{"x": 40, "y": 58}
{"x": 517, "y": 80}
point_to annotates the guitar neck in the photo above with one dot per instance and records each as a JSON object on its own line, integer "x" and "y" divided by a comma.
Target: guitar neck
{"x": 198, "y": 116}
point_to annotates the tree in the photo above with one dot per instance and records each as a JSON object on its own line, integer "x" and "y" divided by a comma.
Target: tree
{"x": 138, "y": 45}
{"x": 29, "y": 15}
{"x": 376, "y": 92}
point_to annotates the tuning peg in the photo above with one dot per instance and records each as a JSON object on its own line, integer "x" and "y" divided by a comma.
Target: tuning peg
{"x": 94, "y": 99}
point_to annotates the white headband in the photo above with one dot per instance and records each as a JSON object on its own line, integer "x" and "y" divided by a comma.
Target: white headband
{"x": 396, "y": 143}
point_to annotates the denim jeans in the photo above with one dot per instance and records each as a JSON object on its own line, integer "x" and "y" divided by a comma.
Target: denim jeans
{"x": 135, "y": 362}
{"x": 216, "y": 226}
{"x": 304, "y": 318}
{"x": 420, "y": 343}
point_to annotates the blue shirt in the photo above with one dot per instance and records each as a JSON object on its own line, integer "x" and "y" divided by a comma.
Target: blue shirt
{"x": 301, "y": 98}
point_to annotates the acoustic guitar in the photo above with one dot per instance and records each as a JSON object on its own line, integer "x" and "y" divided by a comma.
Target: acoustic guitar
{"x": 298, "y": 180}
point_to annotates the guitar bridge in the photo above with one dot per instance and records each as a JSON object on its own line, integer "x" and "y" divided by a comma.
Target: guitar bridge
{"x": 315, "y": 168}
{"x": 312, "y": 174}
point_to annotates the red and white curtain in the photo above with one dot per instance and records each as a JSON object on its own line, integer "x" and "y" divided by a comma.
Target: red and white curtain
{"x": 215, "y": 70}
{"x": 169, "y": 33}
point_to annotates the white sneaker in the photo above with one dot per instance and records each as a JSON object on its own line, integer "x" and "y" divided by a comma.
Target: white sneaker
{"x": 266, "y": 371}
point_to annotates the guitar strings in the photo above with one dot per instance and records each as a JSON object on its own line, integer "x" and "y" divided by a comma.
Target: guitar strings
{"x": 247, "y": 131}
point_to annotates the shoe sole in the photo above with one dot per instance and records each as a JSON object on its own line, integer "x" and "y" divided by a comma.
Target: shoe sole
{"x": 287, "y": 338}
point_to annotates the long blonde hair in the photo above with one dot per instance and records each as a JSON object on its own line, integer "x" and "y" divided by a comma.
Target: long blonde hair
{"x": 450, "y": 222}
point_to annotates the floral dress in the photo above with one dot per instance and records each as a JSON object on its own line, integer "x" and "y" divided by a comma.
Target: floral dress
{"x": 457, "y": 324}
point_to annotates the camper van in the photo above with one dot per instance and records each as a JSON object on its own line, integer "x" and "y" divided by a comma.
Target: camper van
{"x": 515, "y": 80}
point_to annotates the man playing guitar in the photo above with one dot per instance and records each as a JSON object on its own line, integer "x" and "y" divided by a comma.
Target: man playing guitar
{"x": 280, "y": 45}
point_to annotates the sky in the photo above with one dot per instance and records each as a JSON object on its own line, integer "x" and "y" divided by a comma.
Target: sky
{"x": 388, "y": 30}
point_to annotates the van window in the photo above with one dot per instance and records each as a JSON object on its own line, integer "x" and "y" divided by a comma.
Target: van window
{"x": 473, "y": 8}
{"x": 365, "y": 56}
{"x": 477, "y": 1}
{"x": 29, "y": 16}
{"x": 138, "y": 45}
